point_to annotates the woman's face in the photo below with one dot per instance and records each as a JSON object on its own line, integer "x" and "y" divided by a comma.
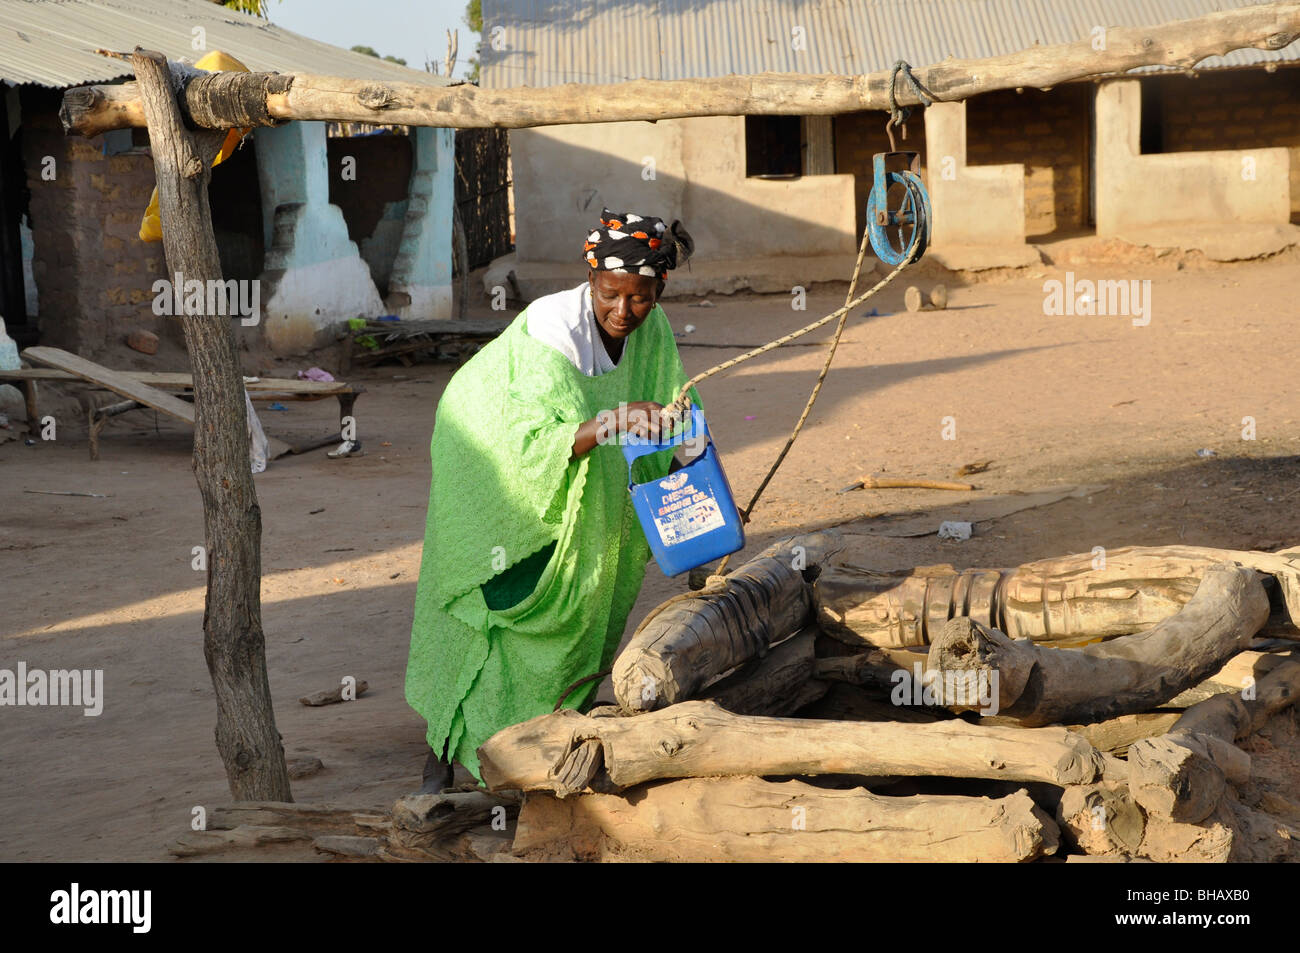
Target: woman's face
{"x": 622, "y": 302}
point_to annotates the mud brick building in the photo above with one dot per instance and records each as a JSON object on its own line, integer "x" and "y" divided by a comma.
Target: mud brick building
{"x": 331, "y": 227}
{"x": 780, "y": 200}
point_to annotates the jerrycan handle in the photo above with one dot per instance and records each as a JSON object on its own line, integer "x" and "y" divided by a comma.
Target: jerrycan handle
{"x": 636, "y": 447}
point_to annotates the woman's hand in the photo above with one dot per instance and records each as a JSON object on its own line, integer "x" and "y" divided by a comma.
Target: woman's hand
{"x": 642, "y": 420}
{"x": 639, "y": 419}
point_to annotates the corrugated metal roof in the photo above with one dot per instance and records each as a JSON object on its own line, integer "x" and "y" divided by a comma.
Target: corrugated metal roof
{"x": 545, "y": 42}
{"x": 52, "y": 42}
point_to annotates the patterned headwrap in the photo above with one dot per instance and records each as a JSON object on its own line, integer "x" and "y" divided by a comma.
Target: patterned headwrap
{"x": 636, "y": 244}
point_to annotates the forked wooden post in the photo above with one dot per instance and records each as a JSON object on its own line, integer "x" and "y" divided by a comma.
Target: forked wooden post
{"x": 233, "y": 643}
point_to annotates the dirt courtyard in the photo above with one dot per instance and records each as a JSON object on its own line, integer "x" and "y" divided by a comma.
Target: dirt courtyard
{"x": 1052, "y": 400}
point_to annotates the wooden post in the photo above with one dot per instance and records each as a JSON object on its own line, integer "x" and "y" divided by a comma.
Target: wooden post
{"x": 233, "y": 644}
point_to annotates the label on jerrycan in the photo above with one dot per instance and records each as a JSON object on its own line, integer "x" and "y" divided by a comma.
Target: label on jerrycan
{"x": 685, "y": 511}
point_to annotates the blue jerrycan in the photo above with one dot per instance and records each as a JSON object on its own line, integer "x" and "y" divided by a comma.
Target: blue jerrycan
{"x": 689, "y": 517}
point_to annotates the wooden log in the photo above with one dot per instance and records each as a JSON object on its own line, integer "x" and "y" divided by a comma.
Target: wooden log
{"x": 779, "y": 684}
{"x": 1183, "y": 775}
{"x": 1042, "y": 686}
{"x": 471, "y": 847}
{"x": 1234, "y": 716}
{"x": 455, "y": 826}
{"x": 846, "y": 702}
{"x": 453, "y": 812}
{"x": 233, "y": 642}
{"x": 1063, "y": 600}
{"x": 1238, "y": 673}
{"x": 1115, "y": 735}
{"x": 325, "y": 818}
{"x": 870, "y": 669}
{"x": 349, "y": 846}
{"x": 1234, "y": 833}
{"x": 1101, "y": 819}
{"x": 700, "y": 739}
{"x": 748, "y": 819}
{"x": 691, "y": 639}
{"x": 194, "y": 843}
{"x": 225, "y": 100}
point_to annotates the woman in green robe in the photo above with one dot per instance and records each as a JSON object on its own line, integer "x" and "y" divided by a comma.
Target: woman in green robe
{"x": 533, "y": 555}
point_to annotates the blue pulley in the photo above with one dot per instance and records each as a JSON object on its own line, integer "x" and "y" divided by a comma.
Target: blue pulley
{"x": 894, "y": 229}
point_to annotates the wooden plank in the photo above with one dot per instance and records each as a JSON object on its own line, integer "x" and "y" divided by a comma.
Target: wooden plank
{"x": 120, "y": 383}
{"x": 292, "y": 388}
{"x": 36, "y": 374}
{"x": 472, "y": 327}
{"x": 263, "y": 388}
{"x": 115, "y": 381}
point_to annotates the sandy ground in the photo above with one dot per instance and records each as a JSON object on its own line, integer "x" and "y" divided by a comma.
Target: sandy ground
{"x": 1051, "y": 400}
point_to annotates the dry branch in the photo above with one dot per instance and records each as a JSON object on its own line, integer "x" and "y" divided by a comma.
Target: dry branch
{"x": 748, "y": 819}
{"x": 225, "y": 100}
{"x": 881, "y": 482}
{"x": 1043, "y": 686}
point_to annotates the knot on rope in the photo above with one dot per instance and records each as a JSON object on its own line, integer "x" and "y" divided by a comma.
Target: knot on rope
{"x": 676, "y": 412}
{"x": 898, "y": 114}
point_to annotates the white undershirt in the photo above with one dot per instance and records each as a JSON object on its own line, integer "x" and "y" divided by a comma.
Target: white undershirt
{"x": 566, "y": 322}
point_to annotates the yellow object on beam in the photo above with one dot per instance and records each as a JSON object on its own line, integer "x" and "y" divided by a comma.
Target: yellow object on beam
{"x": 214, "y": 62}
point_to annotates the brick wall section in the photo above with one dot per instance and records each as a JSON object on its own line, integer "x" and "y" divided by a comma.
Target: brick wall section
{"x": 1049, "y": 133}
{"x": 1235, "y": 109}
{"x": 93, "y": 273}
{"x": 859, "y": 136}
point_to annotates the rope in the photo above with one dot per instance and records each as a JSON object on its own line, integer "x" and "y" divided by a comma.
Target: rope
{"x": 717, "y": 582}
{"x": 678, "y": 407}
{"x": 843, "y": 315}
{"x": 898, "y": 115}
{"x": 714, "y": 584}
{"x": 578, "y": 684}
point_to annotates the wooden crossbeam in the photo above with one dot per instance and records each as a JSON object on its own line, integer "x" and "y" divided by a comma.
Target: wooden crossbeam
{"x": 228, "y": 100}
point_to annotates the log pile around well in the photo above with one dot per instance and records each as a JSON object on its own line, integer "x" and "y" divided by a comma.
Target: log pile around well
{"x": 780, "y": 716}
{"x": 1110, "y": 728}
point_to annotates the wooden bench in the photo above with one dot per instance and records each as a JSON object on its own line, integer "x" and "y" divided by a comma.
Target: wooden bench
{"x": 164, "y": 390}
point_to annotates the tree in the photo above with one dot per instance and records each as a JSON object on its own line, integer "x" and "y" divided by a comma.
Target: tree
{"x": 474, "y": 20}
{"x": 256, "y": 7}
{"x": 371, "y": 51}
